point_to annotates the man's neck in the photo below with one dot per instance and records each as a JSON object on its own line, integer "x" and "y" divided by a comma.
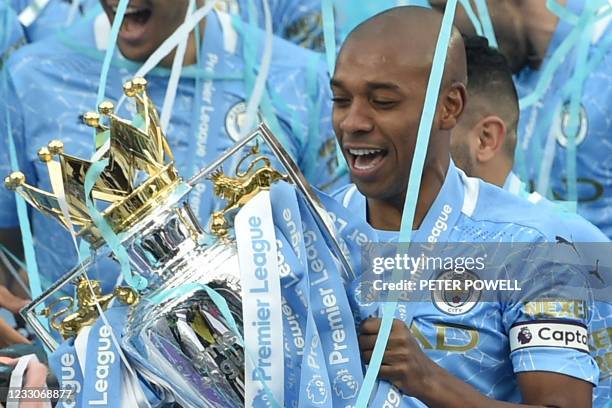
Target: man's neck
{"x": 387, "y": 214}
{"x": 541, "y": 24}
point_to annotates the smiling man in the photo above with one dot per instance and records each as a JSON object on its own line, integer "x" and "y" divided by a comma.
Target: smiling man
{"x": 379, "y": 89}
{"x": 51, "y": 83}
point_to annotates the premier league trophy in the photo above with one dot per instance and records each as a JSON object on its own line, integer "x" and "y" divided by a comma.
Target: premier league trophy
{"x": 247, "y": 309}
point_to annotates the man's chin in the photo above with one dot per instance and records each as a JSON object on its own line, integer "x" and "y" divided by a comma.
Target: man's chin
{"x": 136, "y": 54}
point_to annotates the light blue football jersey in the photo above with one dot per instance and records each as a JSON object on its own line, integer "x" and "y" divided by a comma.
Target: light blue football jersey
{"x": 484, "y": 343}
{"x": 53, "y": 82}
{"x": 582, "y": 231}
{"x": 11, "y": 33}
{"x": 56, "y": 15}
{"x": 593, "y": 139}
{"x": 296, "y": 21}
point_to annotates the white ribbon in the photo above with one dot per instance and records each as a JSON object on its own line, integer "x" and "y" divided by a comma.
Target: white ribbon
{"x": 164, "y": 49}
{"x": 175, "y": 75}
{"x": 31, "y": 13}
{"x": 16, "y": 381}
{"x": 261, "y": 299}
{"x": 262, "y": 76}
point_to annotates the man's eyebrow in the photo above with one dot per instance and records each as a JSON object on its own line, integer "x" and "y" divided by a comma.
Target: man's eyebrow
{"x": 371, "y": 85}
{"x": 383, "y": 85}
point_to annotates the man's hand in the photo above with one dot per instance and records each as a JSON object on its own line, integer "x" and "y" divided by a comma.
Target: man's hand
{"x": 9, "y": 335}
{"x": 407, "y": 367}
{"x": 404, "y": 363}
{"x": 10, "y": 301}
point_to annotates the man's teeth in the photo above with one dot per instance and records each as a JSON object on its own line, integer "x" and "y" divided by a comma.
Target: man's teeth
{"x": 363, "y": 152}
{"x": 129, "y": 10}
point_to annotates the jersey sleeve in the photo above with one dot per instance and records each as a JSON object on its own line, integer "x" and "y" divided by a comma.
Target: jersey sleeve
{"x": 547, "y": 322}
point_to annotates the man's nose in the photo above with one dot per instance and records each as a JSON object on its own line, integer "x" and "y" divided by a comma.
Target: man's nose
{"x": 357, "y": 119}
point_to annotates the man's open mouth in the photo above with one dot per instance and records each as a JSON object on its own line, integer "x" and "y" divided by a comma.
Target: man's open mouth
{"x": 365, "y": 160}
{"x": 134, "y": 21}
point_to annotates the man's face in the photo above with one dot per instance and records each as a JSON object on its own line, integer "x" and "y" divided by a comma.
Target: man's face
{"x": 378, "y": 100}
{"x": 146, "y": 24}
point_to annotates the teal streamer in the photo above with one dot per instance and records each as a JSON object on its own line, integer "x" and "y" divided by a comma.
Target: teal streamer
{"x": 134, "y": 280}
{"x": 487, "y": 24}
{"x": 412, "y": 194}
{"x": 114, "y": 34}
{"x": 112, "y": 239}
{"x": 576, "y": 91}
{"x": 467, "y": 6}
{"x": 22, "y": 214}
{"x": 329, "y": 33}
{"x": 329, "y": 38}
{"x": 562, "y": 12}
{"x": 573, "y": 89}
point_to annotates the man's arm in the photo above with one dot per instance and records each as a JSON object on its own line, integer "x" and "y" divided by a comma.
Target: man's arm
{"x": 410, "y": 370}
{"x": 10, "y": 238}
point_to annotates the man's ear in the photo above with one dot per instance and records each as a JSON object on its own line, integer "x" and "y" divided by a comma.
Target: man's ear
{"x": 492, "y": 135}
{"x": 453, "y": 104}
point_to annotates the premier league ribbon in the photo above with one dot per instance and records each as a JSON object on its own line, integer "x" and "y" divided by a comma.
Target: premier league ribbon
{"x": 261, "y": 297}
{"x": 302, "y": 336}
{"x": 64, "y": 362}
{"x": 333, "y": 315}
{"x": 102, "y": 379}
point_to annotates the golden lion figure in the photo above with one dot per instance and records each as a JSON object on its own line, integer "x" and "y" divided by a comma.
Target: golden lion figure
{"x": 237, "y": 191}
{"x": 87, "y": 312}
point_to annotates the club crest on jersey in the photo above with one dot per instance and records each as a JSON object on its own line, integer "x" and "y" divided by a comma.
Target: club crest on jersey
{"x": 562, "y": 122}
{"x": 236, "y": 118}
{"x": 364, "y": 294}
{"x": 456, "y": 302}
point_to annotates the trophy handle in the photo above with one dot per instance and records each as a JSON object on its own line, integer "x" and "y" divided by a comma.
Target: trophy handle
{"x": 46, "y": 312}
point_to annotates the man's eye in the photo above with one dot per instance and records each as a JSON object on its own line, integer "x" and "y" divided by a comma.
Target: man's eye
{"x": 384, "y": 103}
{"x": 340, "y": 100}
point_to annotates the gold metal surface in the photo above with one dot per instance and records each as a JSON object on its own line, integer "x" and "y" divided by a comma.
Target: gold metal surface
{"x": 88, "y": 292}
{"x": 139, "y": 176}
{"x": 238, "y": 190}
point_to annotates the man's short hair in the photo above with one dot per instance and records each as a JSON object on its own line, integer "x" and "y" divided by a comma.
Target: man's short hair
{"x": 490, "y": 78}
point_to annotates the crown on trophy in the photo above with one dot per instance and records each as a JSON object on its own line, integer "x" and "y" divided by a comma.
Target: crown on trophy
{"x": 140, "y": 173}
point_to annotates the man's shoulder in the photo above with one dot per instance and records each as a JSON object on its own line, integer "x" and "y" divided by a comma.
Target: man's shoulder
{"x": 49, "y": 54}
{"x": 505, "y": 214}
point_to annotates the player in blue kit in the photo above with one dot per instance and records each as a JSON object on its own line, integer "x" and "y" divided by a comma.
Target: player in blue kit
{"x": 296, "y": 21}
{"x": 530, "y": 35}
{"x": 483, "y": 144}
{"x": 475, "y": 355}
{"x": 11, "y": 33}
{"x": 53, "y": 82}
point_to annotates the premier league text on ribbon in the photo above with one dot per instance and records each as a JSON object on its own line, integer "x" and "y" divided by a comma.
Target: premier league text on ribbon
{"x": 264, "y": 334}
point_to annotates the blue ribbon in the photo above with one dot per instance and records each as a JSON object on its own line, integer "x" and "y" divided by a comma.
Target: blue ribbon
{"x": 412, "y": 193}
{"x": 22, "y": 211}
{"x": 487, "y": 24}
